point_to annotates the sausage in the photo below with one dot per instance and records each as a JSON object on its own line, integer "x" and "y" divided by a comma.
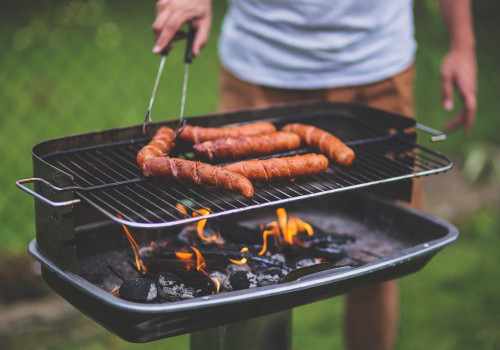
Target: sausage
{"x": 160, "y": 145}
{"x": 323, "y": 142}
{"x": 198, "y": 134}
{"x": 247, "y": 146}
{"x": 280, "y": 168}
{"x": 191, "y": 172}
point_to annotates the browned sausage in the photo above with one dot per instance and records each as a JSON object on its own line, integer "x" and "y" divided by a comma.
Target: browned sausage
{"x": 190, "y": 172}
{"x": 197, "y": 134}
{"x": 324, "y": 142}
{"x": 280, "y": 168}
{"x": 160, "y": 145}
{"x": 247, "y": 146}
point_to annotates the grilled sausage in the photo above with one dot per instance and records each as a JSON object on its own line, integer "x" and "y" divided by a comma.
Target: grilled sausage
{"x": 197, "y": 134}
{"x": 324, "y": 142}
{"x": 160, "y": 145}
{"x": 247, "y": 146}
{"x": 190, "y": 172}
{"x": 280, "y": 168}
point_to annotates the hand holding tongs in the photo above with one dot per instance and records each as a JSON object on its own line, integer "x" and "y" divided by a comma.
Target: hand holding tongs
{"x": 188, "y": 58}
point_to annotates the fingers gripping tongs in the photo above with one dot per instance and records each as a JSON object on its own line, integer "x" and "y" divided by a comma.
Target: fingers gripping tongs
{"x": 188, "y": 58}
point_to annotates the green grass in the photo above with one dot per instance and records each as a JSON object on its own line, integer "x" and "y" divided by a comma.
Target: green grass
{"x": 453, "y": 303}
{"x": 76, "y": 67}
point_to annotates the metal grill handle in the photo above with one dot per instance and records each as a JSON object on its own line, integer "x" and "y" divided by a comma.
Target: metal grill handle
{"x": 20, "y": 184}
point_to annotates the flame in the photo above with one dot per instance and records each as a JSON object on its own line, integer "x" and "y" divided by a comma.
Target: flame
{"x": 281, "y": 213}
{"x": 135, "y": 247}
{"x": 184, "y": 255}
{"x": 215, "y": 238}
{"x": 274, "y": 231}
{"x": 239, "y": 262}
{"x": 182, "y": 209}
{"x": 243, "y": 260}
{"x": 154, "y": 248}
{"x": 286, "y": 230}
{"x": 201, "y": 266}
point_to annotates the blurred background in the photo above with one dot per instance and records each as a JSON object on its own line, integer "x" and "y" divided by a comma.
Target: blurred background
{"x": 70, "y": 67}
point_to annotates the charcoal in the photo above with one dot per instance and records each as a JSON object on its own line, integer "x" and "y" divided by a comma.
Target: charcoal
{"x": 235, "y": 232}
{"x": 264, "y": 262}
{"x": 170, "y": 286}
{"x": 139, "y": 289}
{"x": 322, "y": 238}
{"x": 305, "y": 261}
{"x": 271, "y": 276}
{"x": 278, "y": 259}
{"x": 238, "y": 267}
{"x": 219, "y": 276}
{"x": 188, "y": 293}
{"x": 331, "y": 254}
{"x": 201, "y": 283}
{"x": 240, "y": 280}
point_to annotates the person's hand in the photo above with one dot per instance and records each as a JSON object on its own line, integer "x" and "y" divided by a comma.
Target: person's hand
{"x": 172, "y": 14}
{"x": 459, "y": 72}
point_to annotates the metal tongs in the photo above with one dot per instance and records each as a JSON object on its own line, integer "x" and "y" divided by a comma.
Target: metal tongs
{"x": 188, "y": 58}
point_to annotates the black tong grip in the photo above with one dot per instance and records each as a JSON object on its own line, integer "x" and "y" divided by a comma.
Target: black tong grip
{"x": 181, "y": 34}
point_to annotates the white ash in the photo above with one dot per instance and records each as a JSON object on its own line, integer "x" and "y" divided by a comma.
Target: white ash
{"x": 170, "y": 286}
{"x": 271, "y": 276}
{"x": 149, "y": 251}
{"x": 237, "y": 267}
{"x": 240, "y": 280}
{"x": 187, "y": 293}
{"x": 278, "y": 258}
{"x": 219, "y": 276}
{"x": 306, "y": 262}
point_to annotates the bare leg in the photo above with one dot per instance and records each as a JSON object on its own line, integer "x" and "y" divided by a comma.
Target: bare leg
{"x": 371, "y": 317}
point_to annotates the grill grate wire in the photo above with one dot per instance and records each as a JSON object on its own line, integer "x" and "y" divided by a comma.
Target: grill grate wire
{"x": 110, "y": 180}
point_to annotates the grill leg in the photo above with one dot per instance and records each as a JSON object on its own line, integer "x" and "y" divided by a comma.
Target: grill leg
{"x": 269, "y": 332}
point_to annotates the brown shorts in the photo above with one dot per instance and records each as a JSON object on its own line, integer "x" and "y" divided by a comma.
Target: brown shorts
{"x": 394, "y": 94}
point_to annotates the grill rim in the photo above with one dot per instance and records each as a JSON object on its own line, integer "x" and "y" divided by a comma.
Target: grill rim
{"x": 307, "y": 109}
{"x": 136, "y": 322}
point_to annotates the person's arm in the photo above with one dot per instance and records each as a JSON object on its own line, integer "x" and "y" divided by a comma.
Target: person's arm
{"x": 459, "y": 66}
{"x": 172, "y": 14}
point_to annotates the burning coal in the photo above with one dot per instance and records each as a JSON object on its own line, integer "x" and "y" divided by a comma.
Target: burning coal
{"x": 213, "y": 257}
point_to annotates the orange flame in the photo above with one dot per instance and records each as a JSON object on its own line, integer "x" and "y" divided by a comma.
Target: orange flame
{"x": 286, "y": 229}
{"x": 154, "y": 248}
{"x": 182, "y": 209}
{"x": 201, "y": 266}
{"x": 135, "y": 247}
{"x": 186, "y": 257}
{"x": 274, "y": 231}
{"x": 216, "y": 238}
{"x": 243, "y": 260}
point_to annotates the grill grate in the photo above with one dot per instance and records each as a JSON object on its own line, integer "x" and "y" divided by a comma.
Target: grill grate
{"x": 108, "y": 178}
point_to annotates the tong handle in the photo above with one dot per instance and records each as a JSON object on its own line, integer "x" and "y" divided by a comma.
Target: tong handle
{"x": 167, "y": 49}
{"x": 20, "y": 184}
{"x": 179, "y": 35}
{"x": 438, "y": 135}
{"x": 188, "y": 56}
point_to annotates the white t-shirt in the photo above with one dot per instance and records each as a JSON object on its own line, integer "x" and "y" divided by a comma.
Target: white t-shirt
{"x": 313, "y": 44}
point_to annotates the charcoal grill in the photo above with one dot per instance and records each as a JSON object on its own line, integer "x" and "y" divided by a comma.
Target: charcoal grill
{"x": 88, "y": 185}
